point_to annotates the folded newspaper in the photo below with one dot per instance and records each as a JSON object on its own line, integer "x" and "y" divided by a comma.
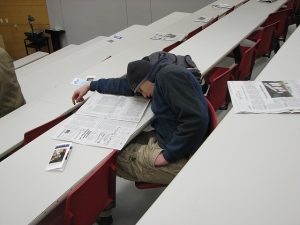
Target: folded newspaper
{"x": 265, "y": 96}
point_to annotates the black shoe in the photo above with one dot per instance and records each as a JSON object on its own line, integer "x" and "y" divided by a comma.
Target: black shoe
{"x": 108, "y": 220}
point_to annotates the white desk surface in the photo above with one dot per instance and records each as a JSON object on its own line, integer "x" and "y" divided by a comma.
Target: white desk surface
{"x": 29, "y": 59}
{"x": 219, "y": 39}
{"x": 28, "y": 192}
{"x": 247, "y": 171}
{"x": 167, "y": 20}
{"x": 92, "y": 41}
{"x": 28, "y": 116}
{"x": 188, "y": 23}
{"x": 57, "y": 55}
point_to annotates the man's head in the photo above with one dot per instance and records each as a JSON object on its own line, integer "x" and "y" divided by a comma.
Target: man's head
{"x": 137, "y": 75}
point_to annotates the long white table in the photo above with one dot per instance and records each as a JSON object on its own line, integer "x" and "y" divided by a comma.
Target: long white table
{"x": 209, "y": 46}
{"x": 147, "y": 46}
{"x": 28, "y": 117}
{"x": 28, "y": 192}
{"x": 29, "y": 59}
{"x": 247, "y": 171}
{"x": 57, "y": 55}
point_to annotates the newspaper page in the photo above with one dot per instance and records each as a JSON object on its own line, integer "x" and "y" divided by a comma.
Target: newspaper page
{"x": 167, "y": 37}
{"x": 115, "y": 107}
{"x": 95, "y": 131}
{"x": 265, "y": 96}
{"x": 104, "y": 121}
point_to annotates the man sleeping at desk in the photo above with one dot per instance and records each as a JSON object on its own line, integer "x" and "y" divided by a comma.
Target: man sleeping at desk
{"x": 180, "y": 122}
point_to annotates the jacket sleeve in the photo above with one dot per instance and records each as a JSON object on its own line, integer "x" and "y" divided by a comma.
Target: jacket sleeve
{"x": 119, "y": 86}
{"x": 187, "y": 102}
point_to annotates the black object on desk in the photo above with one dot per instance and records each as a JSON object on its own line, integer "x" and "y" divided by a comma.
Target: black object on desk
{"x": 55, "y": 38}
{"x": 36, "y": 40}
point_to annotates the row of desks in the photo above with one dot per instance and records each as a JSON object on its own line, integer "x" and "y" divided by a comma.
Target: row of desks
{"x": 52, "y": 75}
{"x": 23, "y": 177}
{"x": 247, "y": 171}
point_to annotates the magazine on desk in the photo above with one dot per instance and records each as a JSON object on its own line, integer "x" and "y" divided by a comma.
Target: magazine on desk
{"x": 265, "y": 96}
{"x": 59, "y": 157}
{"x": 104, "y": 120}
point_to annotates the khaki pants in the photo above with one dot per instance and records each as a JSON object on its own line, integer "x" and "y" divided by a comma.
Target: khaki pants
{"x": 136, "y": 161}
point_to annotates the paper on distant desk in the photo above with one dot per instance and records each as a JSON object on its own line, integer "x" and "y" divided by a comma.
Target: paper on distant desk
{"x": 104, "y": 120}
{"x": 115, "y": 107}
{"x": 265, "y": 96}
{"x": 221, "y": 6}
{"x": 203, "y": 19}
{"x": 167, "y": 37}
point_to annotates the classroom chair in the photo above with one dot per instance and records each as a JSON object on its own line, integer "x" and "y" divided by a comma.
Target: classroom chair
{"x": 282, "y": 17}
{"x": 294, "y": 17}
{"x": 267, "y": 35}
{"x": 247, "y": 61}
{"x": 212, "y": 125}
{"x": 217, "y": 79}
{"x": 88, "y": 199}
{"x": 95, "y": 193}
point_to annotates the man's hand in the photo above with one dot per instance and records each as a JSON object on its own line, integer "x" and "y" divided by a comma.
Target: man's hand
{"x": 80, "y": 92}
{"x": 160, "y": 160}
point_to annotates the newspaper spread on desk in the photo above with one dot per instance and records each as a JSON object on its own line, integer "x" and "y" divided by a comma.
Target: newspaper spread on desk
{"x": 265, "y": 96}
{"x": 104, "y": 121}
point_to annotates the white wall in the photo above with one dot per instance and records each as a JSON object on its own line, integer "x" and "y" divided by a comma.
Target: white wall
{"x": 85, "y": 19}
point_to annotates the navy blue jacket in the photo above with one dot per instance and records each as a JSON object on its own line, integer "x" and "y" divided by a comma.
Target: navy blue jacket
{"x": 181, "y": 115}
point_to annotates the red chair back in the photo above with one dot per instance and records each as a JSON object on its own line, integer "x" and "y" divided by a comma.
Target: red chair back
{"x": 266, "y": 34}
{"x": 85, "y": 202}
{"x": 34, "y": 133}
{"x": 213, "y": 117}
{"x": 170, "y": 47}
{"x": 229, "y": 10}
{"x": 217, "y": 81}
{"x": 247, "y": 62}
{"x": 210, "y": 22}
{"x": 282, "y": 17}
{"x": 193, "y": 33}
